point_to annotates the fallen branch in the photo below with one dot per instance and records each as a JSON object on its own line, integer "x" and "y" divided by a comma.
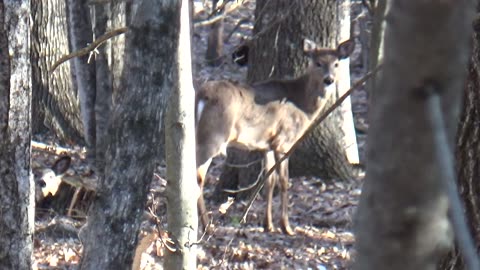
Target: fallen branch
{"x": 55, "y": 149}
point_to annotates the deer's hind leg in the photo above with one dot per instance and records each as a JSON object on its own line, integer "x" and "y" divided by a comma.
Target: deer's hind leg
{"x": 284, "y": 176}
{"x": 269, "y": 162}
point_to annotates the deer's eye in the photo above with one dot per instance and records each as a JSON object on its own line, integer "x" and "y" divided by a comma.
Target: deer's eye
{"x": 336, "y": 65}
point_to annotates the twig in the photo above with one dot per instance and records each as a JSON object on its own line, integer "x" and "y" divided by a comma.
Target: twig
{"x": 237, "y": 25}
{"x": 216, "y": 18}
{"x": 244, "y": 165}
{"x": 318, "y": 119}
{"x": 91, "y": 47}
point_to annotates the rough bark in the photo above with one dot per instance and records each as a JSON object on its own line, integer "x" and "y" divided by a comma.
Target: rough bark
{"x": 467, "y": 151}
{"x": 55, "y": 102}
{"x": 17, "y": 192}
{"x": 111, "y": 233}
{"x": 376, "y": 44}
{"x": 81, "y": 34}
{"x": 402, "y": 221}
{"x": 276, "y": 52}
{"x": 103, "y": 97}
{"x": 180, "y": 155}
{"x": 120, "y": 14}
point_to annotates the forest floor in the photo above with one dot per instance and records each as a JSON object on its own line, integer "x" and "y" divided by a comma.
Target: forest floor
{"x": 320, "y": 213}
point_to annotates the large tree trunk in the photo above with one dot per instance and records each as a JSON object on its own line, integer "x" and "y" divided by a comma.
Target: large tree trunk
{"x": 280, "y": 29}
{"x": 403, "y": 216}
{"x": 17, "y": 187}
{"x": 111, "y": 233}
{"x": 468, "y": 151}
{"x": 55, "y": 102}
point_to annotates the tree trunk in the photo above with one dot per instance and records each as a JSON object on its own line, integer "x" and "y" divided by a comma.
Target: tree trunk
{"x": 180, "y": 156}
{"x": 343, "y": 85}
{"x": 110, "y": 235}
{"x": 467, "y": 151}
{"x": 17, "y": 192}
{"x": 376, "y": 44}
{"x": 81, "y": 35}
{"x": 280, "y": 29}
{"x": 55, "y": 102}
{"x": 403, "y": 216}
{"x": 103, "y": 98}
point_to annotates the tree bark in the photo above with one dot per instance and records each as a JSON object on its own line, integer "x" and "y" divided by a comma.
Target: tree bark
{"x": 276, "y": 52}
{"x": 402, "y": 221}
{"x": 467, "y": 151}
{"x": 103, "y": 97}
{"x": 343, "y": 85}
{"x": 81, "y": 34}
{"x": 110, "y": 235}
{"x": 55, "y": 102}
{"x": 17, "y": 192}
{"x": 182, "y": 188}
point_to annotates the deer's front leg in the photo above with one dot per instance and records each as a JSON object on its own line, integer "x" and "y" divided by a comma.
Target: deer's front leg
{"x": 283, "y": 175}
{"x": 269, "y": 161}
{"x": 202, "y": 210}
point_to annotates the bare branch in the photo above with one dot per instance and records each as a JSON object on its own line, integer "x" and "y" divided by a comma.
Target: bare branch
{"x": 95, "y": 44}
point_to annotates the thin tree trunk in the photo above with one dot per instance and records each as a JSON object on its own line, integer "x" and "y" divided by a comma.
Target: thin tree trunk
{"x": 17, "y": 192}
{"x": 182, "y": 188}
{"x": 103, "y": 98}
{"x": 343, "y": 84}
{"x": 376, "y": 45}
{"x": 110, "y": 235}
{"x": 403, "y": 220}
{"x": 81, "y": 35}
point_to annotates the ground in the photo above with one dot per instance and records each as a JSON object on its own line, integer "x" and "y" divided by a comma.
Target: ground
{"x": 320, "y": 213}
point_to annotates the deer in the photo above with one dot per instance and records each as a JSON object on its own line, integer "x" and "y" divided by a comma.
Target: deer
{"x": 49, "y": 179}
{"x": 269, "y": 116}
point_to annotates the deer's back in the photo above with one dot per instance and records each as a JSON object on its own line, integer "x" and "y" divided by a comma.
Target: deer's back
{"x": 272, "y": 124}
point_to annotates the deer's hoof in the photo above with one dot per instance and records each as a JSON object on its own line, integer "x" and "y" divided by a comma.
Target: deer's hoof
{"x": 288, "y": 230}
{"x": 269, "y": 228}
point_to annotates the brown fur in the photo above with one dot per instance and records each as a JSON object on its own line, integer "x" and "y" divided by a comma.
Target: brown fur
{"x": 268, "y": 116}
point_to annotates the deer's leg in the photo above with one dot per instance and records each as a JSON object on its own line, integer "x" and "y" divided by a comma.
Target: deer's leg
{"x": 212, "y": 134}
{"x": 283, "y": 175}
{"x": 269, "y": 161}
{"x": 209, "y": 148}
{"x": 201, "y": 174}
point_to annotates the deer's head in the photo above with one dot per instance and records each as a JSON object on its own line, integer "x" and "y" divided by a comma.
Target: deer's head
{"x": 50, "y": 178}
{"x": 324, "y": 61}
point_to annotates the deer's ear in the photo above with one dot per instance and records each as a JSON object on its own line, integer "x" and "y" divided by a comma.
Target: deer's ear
{"x": 309, "y": 46}
{"x": 61, "y": 165}
{"x": 345, "y": 49}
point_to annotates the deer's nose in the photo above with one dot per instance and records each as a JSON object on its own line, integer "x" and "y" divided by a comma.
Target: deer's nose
{"x": 328, "y": 80}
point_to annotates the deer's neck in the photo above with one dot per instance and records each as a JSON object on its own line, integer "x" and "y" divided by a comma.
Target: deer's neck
{"x": 304, "y": 92}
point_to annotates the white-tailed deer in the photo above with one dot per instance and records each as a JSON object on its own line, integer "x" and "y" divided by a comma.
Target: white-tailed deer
{"x": 268, "y": 116}
{"x": 49, "y": 179}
